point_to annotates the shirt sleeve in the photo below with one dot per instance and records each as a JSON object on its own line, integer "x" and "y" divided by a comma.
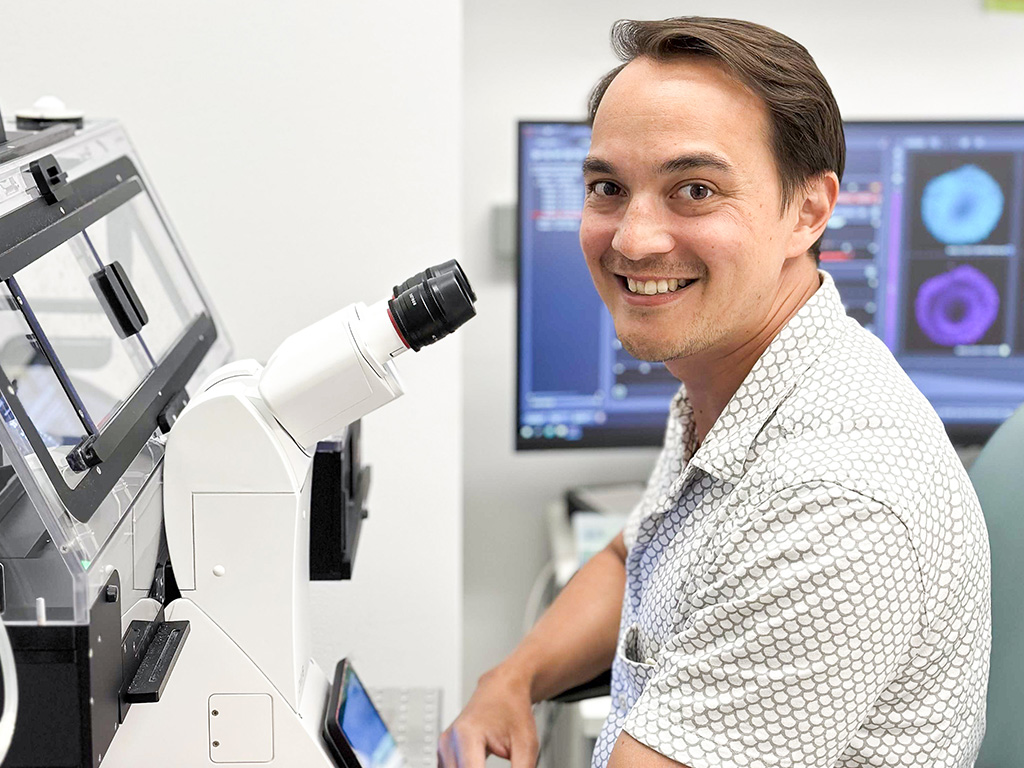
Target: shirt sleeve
{"x": 806, "y": 617}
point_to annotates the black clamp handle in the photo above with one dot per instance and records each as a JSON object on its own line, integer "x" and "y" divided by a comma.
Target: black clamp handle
{"x": 50, "y": 178}
{"x": 120, "y": 301}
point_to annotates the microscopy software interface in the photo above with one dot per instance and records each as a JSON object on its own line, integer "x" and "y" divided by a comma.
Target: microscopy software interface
{"x": 924, "y": 247}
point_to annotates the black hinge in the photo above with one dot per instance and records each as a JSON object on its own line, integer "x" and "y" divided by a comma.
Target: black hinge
{"x": 84, "y": 455}
{"x": 166, "y": 418}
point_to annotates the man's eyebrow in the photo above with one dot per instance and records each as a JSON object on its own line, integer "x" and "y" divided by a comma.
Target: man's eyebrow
{"x": 676, "y": 165}
{"x": 695, "y": 161}
{"x": 593, "y": 164}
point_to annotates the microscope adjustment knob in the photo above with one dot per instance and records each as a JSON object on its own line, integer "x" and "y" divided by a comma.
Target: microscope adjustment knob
{"x": 47, "y": 111}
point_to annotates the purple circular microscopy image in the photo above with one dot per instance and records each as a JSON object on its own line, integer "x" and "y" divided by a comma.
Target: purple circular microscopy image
{"x": 957, "y": 307}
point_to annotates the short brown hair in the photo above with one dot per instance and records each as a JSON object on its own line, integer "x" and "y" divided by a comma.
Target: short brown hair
{"x": 806, "y": 127}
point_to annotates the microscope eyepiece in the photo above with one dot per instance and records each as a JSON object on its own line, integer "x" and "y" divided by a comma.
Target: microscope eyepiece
{"x": 427, "y": 310}
{"x": 339, "y": 369}
{"x": 435, "y": 271}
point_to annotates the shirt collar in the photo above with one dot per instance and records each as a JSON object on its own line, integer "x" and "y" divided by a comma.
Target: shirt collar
{"x": 774, "y": 376}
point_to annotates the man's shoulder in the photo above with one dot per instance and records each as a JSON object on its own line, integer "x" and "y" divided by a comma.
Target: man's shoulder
{"x": 855, "y": 378}
{"x": 857, "y": 422}
{"x": 856, "y": 419}
{"x": 854, "y": 390}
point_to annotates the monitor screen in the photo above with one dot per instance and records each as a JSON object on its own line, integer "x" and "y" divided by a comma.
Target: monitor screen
{"x": 924, "y": 248}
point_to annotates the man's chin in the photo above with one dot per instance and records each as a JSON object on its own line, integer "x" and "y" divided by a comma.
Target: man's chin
{"x": 653, "y": 351}
{"x": 656, "y": 348}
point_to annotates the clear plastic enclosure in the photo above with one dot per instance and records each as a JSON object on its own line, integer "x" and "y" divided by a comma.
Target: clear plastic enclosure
{"x": 73, "y": 375}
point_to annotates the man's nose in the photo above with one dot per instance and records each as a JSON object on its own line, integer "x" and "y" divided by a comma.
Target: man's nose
{"x": 642, "y": 231}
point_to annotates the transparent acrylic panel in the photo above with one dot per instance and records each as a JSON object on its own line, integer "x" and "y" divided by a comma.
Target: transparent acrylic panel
{"x": 135, "y": 236}
{"x": 48, "y": 551}
{"x": 103, "y": 369}
{"x": 135, "y": 507}
{"x": 32, "y": 564}
{"x": 123, "y": 495}
{"x": 36, "y": 386}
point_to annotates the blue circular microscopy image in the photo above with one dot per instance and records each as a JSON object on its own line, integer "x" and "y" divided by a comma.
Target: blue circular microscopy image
{"x": 962, "y": 206}
{"x": 957, "y": 307}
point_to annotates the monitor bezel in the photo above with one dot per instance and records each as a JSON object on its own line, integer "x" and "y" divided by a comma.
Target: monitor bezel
{"x": 964, "y": 434}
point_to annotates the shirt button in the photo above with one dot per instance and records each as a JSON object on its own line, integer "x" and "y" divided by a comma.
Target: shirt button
{"x": 649, "y": 661}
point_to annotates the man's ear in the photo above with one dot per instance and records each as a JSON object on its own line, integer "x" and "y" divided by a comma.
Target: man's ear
{"x": 814, "y": 203}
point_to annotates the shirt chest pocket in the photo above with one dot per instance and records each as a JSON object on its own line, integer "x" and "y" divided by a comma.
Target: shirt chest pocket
{"x": 636, "y": 670}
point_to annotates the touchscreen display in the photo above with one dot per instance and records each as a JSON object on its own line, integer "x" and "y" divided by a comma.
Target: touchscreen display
{"x": 364, "y": 730}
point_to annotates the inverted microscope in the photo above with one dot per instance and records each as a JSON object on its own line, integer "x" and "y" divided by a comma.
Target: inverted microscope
{"x": 137, "y": 455}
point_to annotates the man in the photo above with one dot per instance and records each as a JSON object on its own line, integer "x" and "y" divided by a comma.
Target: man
{"x": 805, "y": 582}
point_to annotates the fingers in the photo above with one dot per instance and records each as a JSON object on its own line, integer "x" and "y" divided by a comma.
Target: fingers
{"x": 457, "y": 750}
{"x": 524, "y": 749}
{"x": 469, "y": 753}
{"x": 445, "y": 752}
{"x": 498, "y": 720}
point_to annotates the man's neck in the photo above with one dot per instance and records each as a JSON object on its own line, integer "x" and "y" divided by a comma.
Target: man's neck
{"x": 712, "y": 377}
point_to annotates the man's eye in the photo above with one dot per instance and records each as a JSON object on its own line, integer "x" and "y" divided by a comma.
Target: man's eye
{"x": 604, "y": 188}
{"x": 697, "y": 191}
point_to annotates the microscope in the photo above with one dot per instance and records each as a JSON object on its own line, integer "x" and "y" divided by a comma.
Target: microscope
{"x": 163, "y": 509}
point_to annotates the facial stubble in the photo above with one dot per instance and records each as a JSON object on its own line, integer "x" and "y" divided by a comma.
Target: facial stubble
{"x": 659, "y": 349}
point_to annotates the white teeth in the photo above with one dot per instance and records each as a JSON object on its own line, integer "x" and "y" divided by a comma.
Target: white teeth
{"x": 652, "y": 287}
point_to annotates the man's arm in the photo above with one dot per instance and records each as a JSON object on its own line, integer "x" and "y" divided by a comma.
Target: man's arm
{"x": 575, "y": 639}
{"x": 572, "y": 642}
{"x": 630, "y": 753}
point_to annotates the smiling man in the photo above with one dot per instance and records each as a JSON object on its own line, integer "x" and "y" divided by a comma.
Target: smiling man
{"x": 805, "y": 582}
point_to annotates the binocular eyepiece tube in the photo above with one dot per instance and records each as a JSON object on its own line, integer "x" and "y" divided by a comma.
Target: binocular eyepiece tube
{"x": 339, "y": 369}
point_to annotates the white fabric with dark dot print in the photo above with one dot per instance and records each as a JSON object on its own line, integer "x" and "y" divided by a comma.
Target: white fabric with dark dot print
{"x": 811, "y": 587}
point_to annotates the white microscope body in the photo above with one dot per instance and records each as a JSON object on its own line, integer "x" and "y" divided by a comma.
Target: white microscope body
{"x": 237, "y": 483}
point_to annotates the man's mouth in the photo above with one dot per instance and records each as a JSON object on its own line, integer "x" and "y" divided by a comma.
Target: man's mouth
{"x": 650, "y": 287}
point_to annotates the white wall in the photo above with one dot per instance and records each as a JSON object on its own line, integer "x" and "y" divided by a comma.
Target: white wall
{"x": 538, "y": 59}
{"x": 308, "y": 153}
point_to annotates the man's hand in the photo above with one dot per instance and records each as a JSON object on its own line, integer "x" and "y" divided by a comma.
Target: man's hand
{"x": 498, "y": 720}
{"x": 573, "y": 642}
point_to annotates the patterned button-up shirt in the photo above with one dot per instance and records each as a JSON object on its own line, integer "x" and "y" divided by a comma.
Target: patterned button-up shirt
{"x": 810, "y": 588}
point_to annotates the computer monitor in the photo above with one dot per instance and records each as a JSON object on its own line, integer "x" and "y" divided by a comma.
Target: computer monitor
{"x": 924, "y": 246}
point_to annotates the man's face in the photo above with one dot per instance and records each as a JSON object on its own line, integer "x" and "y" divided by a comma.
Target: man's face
{"x": 681, "y": 227}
